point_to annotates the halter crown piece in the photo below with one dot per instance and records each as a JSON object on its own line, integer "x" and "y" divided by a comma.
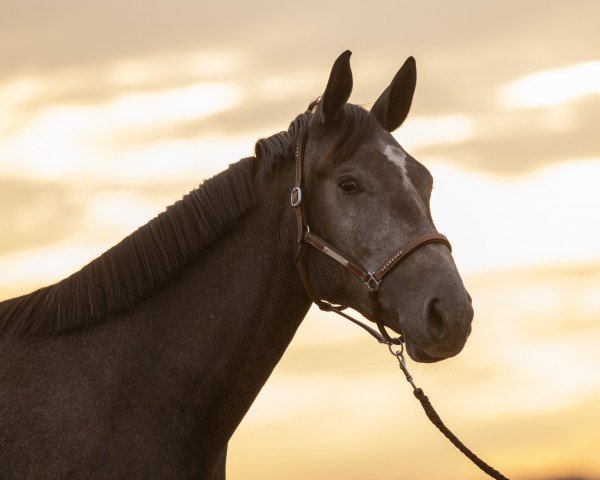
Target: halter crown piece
{"x": 372, "y": 281}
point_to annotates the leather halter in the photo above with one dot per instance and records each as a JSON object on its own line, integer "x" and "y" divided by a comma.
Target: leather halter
{"x": 372, "y": 280}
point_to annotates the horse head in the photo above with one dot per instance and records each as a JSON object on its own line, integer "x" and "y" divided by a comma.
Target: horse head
{"x": 368, "y": 197}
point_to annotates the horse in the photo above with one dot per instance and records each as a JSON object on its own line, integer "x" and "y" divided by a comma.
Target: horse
{"x": 143, "y": 363}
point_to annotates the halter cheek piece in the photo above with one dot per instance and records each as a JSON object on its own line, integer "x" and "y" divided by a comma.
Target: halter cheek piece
{"x": 372, "y": 280}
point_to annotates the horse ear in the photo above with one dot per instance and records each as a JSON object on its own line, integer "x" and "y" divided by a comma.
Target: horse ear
{"x": 337, "y": 91}
{"x": 392, "y": 107}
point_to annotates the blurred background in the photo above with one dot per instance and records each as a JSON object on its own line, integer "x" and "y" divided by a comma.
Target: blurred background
{"x": 109, "y": 111}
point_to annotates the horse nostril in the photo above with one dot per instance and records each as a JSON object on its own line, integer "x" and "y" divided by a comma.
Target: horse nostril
{"x": 435, "y": 320}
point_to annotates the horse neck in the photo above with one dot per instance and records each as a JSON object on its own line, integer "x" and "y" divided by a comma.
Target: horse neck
{"x": 217, "y": 331}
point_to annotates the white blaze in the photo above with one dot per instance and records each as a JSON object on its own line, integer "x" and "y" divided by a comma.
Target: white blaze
{"x": 398, "y": 157}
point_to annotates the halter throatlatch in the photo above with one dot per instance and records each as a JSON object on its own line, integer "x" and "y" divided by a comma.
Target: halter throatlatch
{"x": 372, "y": 281}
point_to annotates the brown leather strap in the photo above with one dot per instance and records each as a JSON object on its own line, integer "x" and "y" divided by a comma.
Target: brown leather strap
{"x": 375, "y": 280}
{"x": 375, "y": 308}
{"x": 328, "y": 307}
{"x": 300, "y": 265}
{"x": 296, "y": 194}
{"x": 406, "y": 250}
{"x": 303, "y": 233}
{"x": 303, "y": 236}
{"x": 377, "y": 336}
{"x": 338, "y": 256}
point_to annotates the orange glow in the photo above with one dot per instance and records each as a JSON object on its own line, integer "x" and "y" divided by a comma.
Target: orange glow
{"x": 98, "y": 136}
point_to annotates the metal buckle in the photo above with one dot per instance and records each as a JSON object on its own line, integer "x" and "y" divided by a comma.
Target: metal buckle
{"x": 305, "y": 232}
{"x": 298, "y": 192}
{"x": 372, "y": 282}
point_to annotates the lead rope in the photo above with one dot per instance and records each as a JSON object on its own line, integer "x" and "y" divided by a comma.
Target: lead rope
{"x": 419, "y": 394}
{"x": 437, "y": 421}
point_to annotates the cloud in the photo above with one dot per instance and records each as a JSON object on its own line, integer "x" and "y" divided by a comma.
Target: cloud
{"x": 553, "y": 87}
{"x": 37, "y": 213}
{"x": 461, "y": 61}
{"x": 27, "y": 94}
{"x": 254, "y": 118}
{"x": 441, "y": 130}
{"x": 515, "y": 142}
{"x": 531, "y": 220}
{"x": 459, "y": 78}
{"x": 78, "y": 141}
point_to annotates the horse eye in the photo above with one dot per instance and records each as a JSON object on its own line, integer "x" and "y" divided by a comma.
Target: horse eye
{"x": 348, "y": 186}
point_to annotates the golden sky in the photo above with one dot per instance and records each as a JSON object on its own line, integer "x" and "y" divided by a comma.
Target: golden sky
{"x": 109, "y": 111}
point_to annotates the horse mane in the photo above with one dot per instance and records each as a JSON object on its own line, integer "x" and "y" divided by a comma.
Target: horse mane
{"x": 145, "y": 260}
{"x": 139, "y": 264}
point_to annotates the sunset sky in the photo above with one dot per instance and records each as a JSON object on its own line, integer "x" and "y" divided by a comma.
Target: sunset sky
{"x": 110, "y": 111}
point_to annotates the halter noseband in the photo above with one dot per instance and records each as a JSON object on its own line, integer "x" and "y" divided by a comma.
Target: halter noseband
{"x": 372, "y": 280}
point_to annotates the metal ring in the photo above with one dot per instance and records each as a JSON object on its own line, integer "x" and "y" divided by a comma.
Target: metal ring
{"x": 298, "y": 192}
{"x": 372, "y": 282}
{"x": 398, "y": 353}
